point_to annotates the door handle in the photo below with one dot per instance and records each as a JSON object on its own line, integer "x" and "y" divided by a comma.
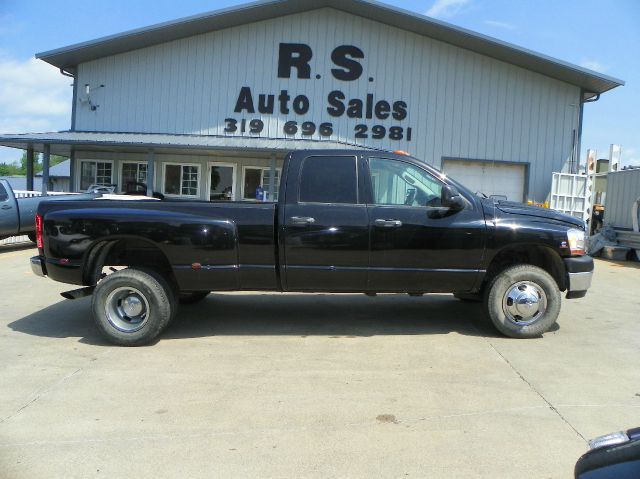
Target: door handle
{"x": 387, "y": 223}
{"x": 6, "y": 207}
{"x": 302, "y": 220}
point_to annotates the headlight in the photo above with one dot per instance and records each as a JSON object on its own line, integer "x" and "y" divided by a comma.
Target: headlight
{"x": 609, "y": 440}
{"x": 575, "y": 238}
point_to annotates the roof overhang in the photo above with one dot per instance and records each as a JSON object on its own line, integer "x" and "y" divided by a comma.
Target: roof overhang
{"x": 63, "y": 143}
{"x": 68, "y": 58}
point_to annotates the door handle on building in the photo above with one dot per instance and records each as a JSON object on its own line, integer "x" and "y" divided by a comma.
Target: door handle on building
{"x": 302, "y": 220}
{"x": 387, "y": 223}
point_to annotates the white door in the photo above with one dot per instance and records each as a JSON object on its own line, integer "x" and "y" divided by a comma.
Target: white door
{"x": 490, "y": 178}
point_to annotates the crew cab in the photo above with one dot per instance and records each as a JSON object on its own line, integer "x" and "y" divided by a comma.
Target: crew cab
{"x": 346, "y": 221}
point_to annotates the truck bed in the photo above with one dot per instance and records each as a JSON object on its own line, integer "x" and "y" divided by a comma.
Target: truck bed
{"x": 212, "y": 245}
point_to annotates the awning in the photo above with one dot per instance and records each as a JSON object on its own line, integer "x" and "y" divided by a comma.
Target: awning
{"x": 64, "y": 142}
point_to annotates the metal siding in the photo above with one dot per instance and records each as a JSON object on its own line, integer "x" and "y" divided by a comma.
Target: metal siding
{"x": 460, "y": 104}
{"x": 623, "y": 189}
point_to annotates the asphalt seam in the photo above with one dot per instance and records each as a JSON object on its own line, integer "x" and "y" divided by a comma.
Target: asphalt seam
{"x": 536, "y": 391}
{"x": 39, "y": 394}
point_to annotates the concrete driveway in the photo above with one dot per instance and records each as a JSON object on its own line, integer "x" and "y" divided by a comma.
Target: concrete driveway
{"x": 273, "y": 385}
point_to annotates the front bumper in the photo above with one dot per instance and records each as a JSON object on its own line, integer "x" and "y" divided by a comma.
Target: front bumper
{"x": 37, "y": 266}
{"x": 579, "y": 275}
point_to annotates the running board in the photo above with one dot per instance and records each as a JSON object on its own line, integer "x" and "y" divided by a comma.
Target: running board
{"x": 78, "y": 293}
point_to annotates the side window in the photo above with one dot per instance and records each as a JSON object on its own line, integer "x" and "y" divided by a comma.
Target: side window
{"x": 133, "y": 173}
{"x": 181, "y": 179}
{"x": 398, "y": 183}
{"x": 4, "y": 196}
{"x": 95, "y": 173}
{"x": 329, "y": 179}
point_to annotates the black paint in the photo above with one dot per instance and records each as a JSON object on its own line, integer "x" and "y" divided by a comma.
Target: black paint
{"x": 294, "y": 55}
{"x": 343, "y": 56}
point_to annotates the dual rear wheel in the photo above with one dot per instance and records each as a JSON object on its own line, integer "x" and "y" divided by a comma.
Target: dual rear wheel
{"x": 131, "y": 307}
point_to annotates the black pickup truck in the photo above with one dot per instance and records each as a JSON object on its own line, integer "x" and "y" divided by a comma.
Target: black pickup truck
{"x": 346, "y": 221}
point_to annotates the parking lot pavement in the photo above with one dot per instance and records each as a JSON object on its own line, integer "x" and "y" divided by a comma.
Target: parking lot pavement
{"x": 293, "y": 385}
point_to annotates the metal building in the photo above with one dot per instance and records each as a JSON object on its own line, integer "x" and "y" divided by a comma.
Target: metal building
{"x": 207, "y": 106}
{"x": 623, "y": 199}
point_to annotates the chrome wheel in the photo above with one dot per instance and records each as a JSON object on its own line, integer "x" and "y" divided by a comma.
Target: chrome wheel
{"x": 524, "y": 303}
{"x": 127, "y": 309}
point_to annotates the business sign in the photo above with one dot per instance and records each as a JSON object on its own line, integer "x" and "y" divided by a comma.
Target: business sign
{"x": 378, "y": 118}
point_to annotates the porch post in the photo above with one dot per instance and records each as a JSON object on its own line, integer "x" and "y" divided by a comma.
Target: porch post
{"x": 45, "y": 168}
{"x": 30, "y": 168}
{"x": 151, "y": 160}
{"x": 272, "y": 176}
{"x": 72, "y": 170}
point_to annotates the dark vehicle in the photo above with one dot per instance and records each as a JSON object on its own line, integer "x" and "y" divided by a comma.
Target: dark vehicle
{"x": 345, "y": 222}
{"x": 614, "y": 456}
{"x": 17, "y": 214}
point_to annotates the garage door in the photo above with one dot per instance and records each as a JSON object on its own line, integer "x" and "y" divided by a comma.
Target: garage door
{"x": 490, "y": 178}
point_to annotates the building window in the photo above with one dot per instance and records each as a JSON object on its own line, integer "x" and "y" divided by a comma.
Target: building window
{"x": 266, "y": 175}
{"x": 133, "y": 173}
{"x": 181, "y": 179}
{"x": 95, "y": 173}
{"x": 255, "y": 177}
{"x": 222, "y": 179}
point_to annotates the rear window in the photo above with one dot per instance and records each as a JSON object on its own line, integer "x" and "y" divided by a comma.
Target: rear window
{"x": 329, "y": 179}
{"x": 3, "y": 193}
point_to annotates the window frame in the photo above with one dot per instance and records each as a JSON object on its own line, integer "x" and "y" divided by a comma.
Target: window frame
{"x": 89, "y": 160}
{"x": 181, "y": 165}
{"x": 262, "y": 171}
{"x": 234, "y": 176}
{"x": 369, "y": 180}
{"x": 356, "y": 163}
{"x": 132, "y": 162}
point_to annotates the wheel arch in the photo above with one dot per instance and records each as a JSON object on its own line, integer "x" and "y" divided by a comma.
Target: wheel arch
{"x": 129, "y": 251}
{"x": 534, "y": 254}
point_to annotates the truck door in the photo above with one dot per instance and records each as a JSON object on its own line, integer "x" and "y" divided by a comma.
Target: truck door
{"x": 415, "y": 245}
{"x": 8, "y": 211}
{"x": 325, "y": 226}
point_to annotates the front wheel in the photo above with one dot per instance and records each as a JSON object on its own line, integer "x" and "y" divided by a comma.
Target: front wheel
{"x": 131, "y": 307}
{"x": 523, "y": 301}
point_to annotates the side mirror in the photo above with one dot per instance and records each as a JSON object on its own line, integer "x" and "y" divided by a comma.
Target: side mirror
{"x": 451, "y": 198}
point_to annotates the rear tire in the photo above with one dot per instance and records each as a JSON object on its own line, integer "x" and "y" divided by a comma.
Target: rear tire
{"x": 523, "y": 301}
{"x": 32, "y": 237}
{"x": 192, "y": 297}
{"x": 131, "y": 307}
